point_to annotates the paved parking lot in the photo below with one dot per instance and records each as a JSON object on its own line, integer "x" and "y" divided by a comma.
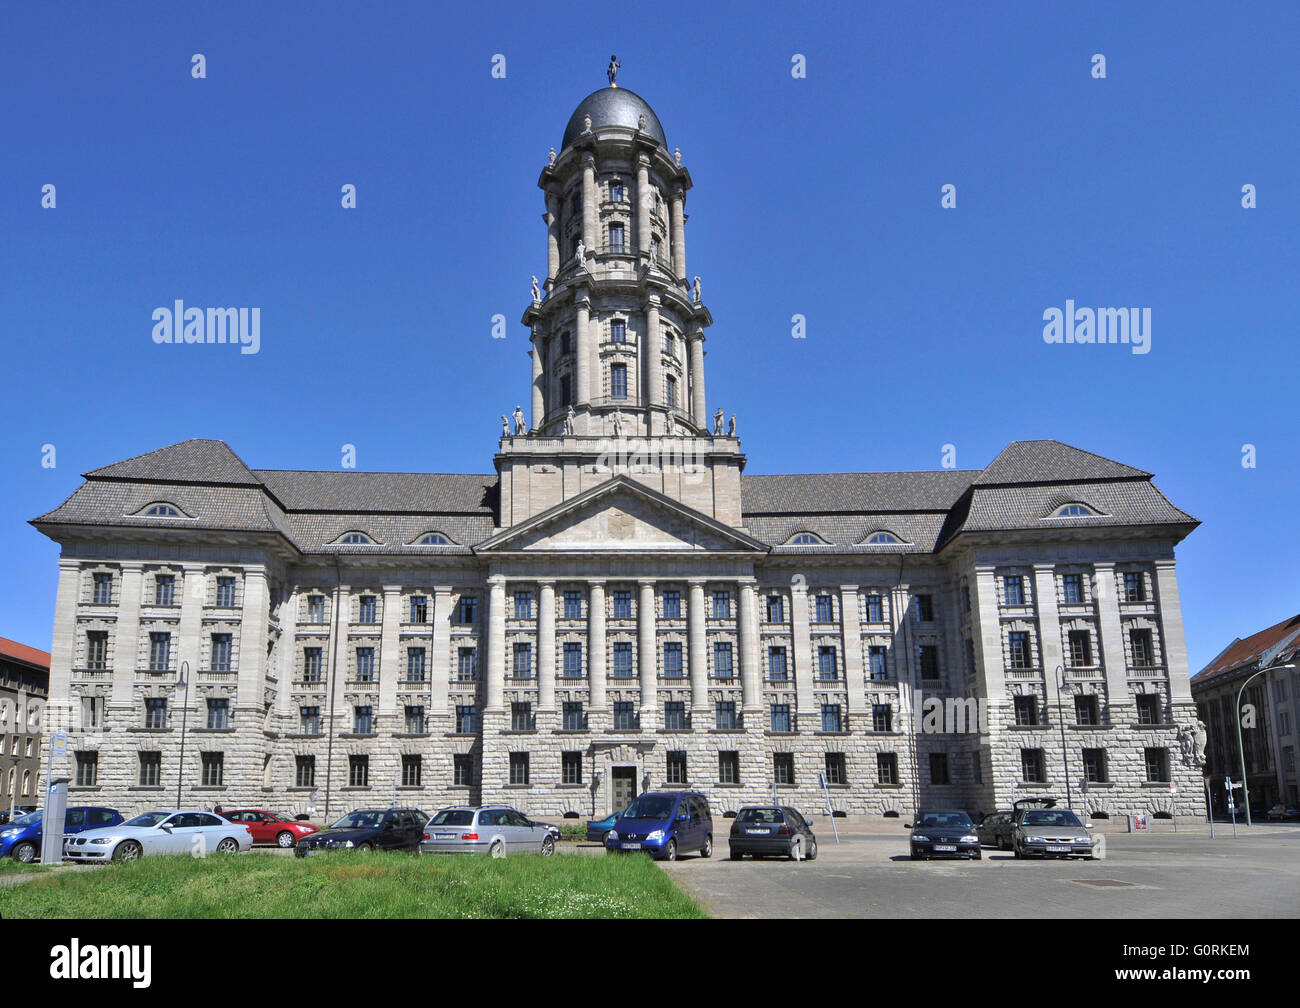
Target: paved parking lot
{"x": 869, "y": 874}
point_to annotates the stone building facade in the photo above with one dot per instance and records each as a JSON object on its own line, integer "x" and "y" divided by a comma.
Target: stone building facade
{"x": 618, "y": 606}
{"x": 24, "y": 686}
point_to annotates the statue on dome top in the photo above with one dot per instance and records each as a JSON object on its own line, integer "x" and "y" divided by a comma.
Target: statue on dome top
{"x": 612, "y": 71}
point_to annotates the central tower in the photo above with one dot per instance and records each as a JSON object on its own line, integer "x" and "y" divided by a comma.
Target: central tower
{"x": 617, "y": 329}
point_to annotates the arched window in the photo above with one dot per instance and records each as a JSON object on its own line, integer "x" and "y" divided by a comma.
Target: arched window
{"x": 882, "y": 538}
{"x": 161, "y": 509}
{"x": 355, "y": 539}
{"x": 805, "y": 539}
{"x": 1074, "y": 510}
{"x": 433, "y": 539}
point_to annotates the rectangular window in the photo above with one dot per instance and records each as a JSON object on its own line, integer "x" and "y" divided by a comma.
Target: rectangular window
{"x": 825, "y": 608}
{"x": 150, "y": 769}
{"x": 415, "y": 664}
{"x": 467, "y": 609}
{"x": 622, "y": 660}
{"x": 971, "y": 670}
{"x": 304, "y": 771}
{"x": 523, "y": 660}
{"x": 521, "y": 716}
{"x": 573, "y": 605}
{"x": 674, "y": 716}
{"x": 363, "y": 720}
{"x": 1072, "y": 589}
{"x": 939, "y": 768}
{"x": 414, "y": 719}
{"x": 1143, "y": 652}
{"x": 775, "y": 609}
{"x": 1080, "y": 648}
{"x": 722, "y": 668}
{"x": 622, "y": 605}
{"x": 618, "y": 381}
{"x": 1157, "y": 764}
{"x": 923, "y": 608}
{"x": 221, "y": 650}
{"x": 672, "y": 605}
{"x": 358, "y": 771}
{"x": 671, "y": 390}
{"x": 367, "y": 609}
{"x": 776, "y": 666}
{"x": 87, "y": 769}
{"x": 673, "y": 659}
{"x": 573, "y": 717}
{"x": 155, "y": 712}
{"x": 875, "y": 609}
{"x": 877, "y": 662}
{"x": 309, "y": 720}
{"x": 97, "y": 649}
{"x": 831, "y": 720}
{"x": 571, "y": 767}
{"x": 218, "y": 713}
{"x": 616, "y": 238}
{"x": 1094, "y": 766}
{"x": 1148, "y": 710}
{"x": 226, "y": 592}
{"x": 1135, "y": 589}
{"x": 214, "y": 768}
{"x": 316, "y": 609}
{"x": 462, "y": 770}
{"x": 887, "y": 768}
{"x": 836, "y": 769}
{"x": 827, "y": 667}
{"x": 1013, "y": 590}
{"x": 616, "y": 192}
{"x": 783, "y": 768}
{"x": 675, "y": 769}
{"x": 618, "y": 331}
{"x": 466, "y": 719}
{"x": 467, "y": 664}
{"x": 365, "y": 664}
{"x": 1086, "y": 711}
{"x": 722, "y": 605}
{"x": 1019, "y": 655}
{"x": 419, "y": 609}
{"x": 311, "y": 664}
{"x": 1026, "y": 708}
{"x": 92, "y": 716}
{"x": 103, "y": 594}
{"x": 573, "y": 659}
{"x": 160, "y": 652}
{"x": 1032, "y": 770}
{"x": 412, "y": 771}
{"x": 728, "y": 767}
{"x": 928, "y": 659}
{"x": 164, "y": 589}
{"x": 566, "y": 388}
{"x": 523, "y": 605}
{"x": 781, "y": 719}
{"x": 624, "y": 716}
{"x": 724, "y": 716}
{"x": 882, "y": 717}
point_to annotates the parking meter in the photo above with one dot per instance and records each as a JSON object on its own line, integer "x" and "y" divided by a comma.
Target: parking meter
{"x": 52, "y": 819}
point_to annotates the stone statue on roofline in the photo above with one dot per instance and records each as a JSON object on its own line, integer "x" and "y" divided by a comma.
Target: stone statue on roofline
{"x": 697, "y": 290}
{"x": 731, "y": 427}
{"x": 717, "y": 422}
{"x": 550, "y": 158}
{"x": 568, "y": 420}
{"x": 521, "y": 425}
{"x": 537, "y": 291}
{"x": 612, "y": 71}
{"x": 505, "y": 426}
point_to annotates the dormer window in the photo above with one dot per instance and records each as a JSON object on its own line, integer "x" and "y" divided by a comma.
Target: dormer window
{"x": 805, "y": 539}
{"x": 355, "y": 539}
{"x": 433, "y": 539}
{"x": 1074, "y": 510}
{"x": 882, "y": 538}
{"x": 161, "y": 509}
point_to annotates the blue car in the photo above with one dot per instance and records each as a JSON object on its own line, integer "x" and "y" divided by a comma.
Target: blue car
{"x": 598, "y": 828}
{"x": 21, "y": 839}
{"x": 664, "y": 824}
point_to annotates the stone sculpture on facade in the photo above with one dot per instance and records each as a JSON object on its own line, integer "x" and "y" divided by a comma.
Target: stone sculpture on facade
{"x": 697, "y": 290}
{"x": 677, "y": 156}
{"x": 551, "y": 157}
{"x": 731, "y": 427}
{"x": 505, "y": 426}
{"x": 717, "y": 422}
{"x": 521, "y": 425}
{"x": 568, "y": 420}
{"x": 537, "y": 291}
{"x": 581, "y": 253}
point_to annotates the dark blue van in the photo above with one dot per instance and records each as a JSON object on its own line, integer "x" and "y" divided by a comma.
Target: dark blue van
{"x": 21, "y": 839}
{"x": 665, "y": 824}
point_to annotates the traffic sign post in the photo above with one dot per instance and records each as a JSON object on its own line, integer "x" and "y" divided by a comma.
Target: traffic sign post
{"x": 1232, "y": 802}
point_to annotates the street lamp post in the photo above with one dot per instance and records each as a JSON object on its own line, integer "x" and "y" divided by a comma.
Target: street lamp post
{"x": 1060, "y": 716}
{"x": 185, "y": 710}
{"x": 1245, "y": 789}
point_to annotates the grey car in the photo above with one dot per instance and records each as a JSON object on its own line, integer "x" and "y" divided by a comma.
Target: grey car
{"x": 1050, "y": 832}
{"x": 497, "y": 830}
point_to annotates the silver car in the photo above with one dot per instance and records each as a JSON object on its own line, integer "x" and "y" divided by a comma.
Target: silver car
{"x": 489, "y": 829}
{"x": 187, "y": 831}
{"x": 1050, "y": 832}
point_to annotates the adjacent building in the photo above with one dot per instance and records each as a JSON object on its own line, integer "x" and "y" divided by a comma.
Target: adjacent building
{"x": 617, "y": 605}
{"x": 24, "y": 686}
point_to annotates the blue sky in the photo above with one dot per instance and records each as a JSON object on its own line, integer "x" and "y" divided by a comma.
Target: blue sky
{"x": 816, "y": 196}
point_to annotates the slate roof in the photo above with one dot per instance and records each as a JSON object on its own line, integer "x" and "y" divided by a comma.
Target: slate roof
{"x": 1243, "y": 654}
{"x": 312, "y": 509}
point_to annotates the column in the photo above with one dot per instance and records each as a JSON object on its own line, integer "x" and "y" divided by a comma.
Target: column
{"x": 695, "y": 638}
{"x": 751, "y": 685}
{"x": 335, "y": 691}
{"x": 855, "y": 678}
{"x": 552, "y": 236}
{"x": 677, "y": 212}
{"x": 440, "y": 650}
{"x": 1172, "y": 637}
{"x": 986, "y": 631}
{"x": 653, "y": 366}
{"x": 126, "y": 637}
{"x": 801, "y": 645}
{"x": 699, "y": 405}
{"x": 583, "y": 340}
{"x": 390, "y": 652}
{"x": 643, "y": 204}
{"x": 1111, "y": 644}
{"x": 539, "y": 383}
{"x": 596, "y": 645}
{"x": 496, "y": 643}
{"x": 287, "y": 648}
{"x": 589, "y": 202}
{"x": 546, "y": 646}
{"x": 64, "y": 648}
{"x": 252, "y": 640}
{"x": 647, "y": 660}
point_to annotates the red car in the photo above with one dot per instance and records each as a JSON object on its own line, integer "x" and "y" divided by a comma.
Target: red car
{"x": 268, "y": 828}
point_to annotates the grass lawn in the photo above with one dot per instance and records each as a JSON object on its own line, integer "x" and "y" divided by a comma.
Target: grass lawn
{"x": 356, "y": 885}
{"x": 8, "y": 866}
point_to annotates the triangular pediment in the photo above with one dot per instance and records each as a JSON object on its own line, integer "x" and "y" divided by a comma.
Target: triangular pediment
{"x": 621, "y": 515}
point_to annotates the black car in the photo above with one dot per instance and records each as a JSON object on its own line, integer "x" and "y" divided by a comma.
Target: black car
{"x": 995, "y": 828}
{"x": 943, "y": 833}
{"x": 368, "y": 830}
{"x": 768, "y": 830}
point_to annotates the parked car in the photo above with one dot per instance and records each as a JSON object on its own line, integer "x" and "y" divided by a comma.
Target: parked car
{"x": 598, "y": 829}
{"x": 1278, "y": 813}
{"x": 764, "y": 830}
{"x": 21, "y": 840}
{"x": 1050, "y": 832}
{"x": 994, "y": 830}
{"x": 19, "y": 810}
{"x": 368, "y": 830}
{"x": 171, "y": 831}
{"x": 665, "y": 823}
{"x": 268, "y": 828}
{"x": 497, "y": 830}
{"x": 943, "y": 833}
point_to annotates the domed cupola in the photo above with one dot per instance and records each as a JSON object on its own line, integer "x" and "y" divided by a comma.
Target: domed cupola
{"x": 614, "y": 106}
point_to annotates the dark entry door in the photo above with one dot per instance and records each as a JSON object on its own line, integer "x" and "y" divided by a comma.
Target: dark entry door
{"x": 624, "y": 787}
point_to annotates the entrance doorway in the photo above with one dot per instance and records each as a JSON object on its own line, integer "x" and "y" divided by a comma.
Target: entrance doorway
{"x": 624, "y": 789}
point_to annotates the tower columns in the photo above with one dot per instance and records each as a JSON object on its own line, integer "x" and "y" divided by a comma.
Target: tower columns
{"x": 653, "y": 365}
{"x": 643, "y": 204}
{"x": 552, "y": 237}
{"x": 583, "y": 349}
{"x": 699, "y": 405}
{"x": 588, "y": 203}
{"x": 678, "y": 213}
